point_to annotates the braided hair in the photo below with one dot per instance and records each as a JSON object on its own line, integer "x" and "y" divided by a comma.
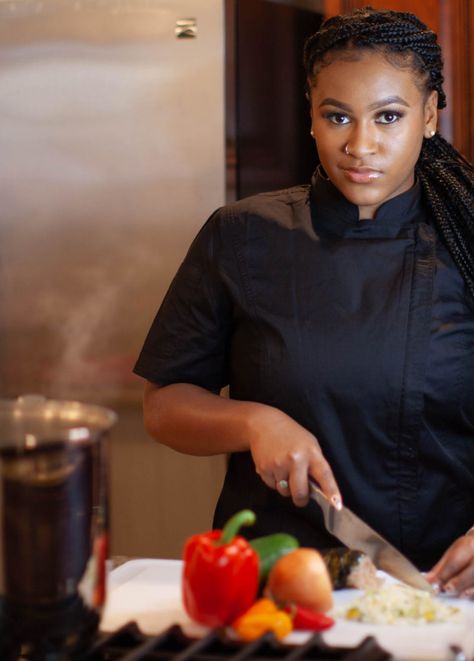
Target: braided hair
{"x": 446, "y": 177}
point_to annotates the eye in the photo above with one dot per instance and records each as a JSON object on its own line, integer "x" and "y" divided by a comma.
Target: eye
{"x": 388, "y": 117}
{"x": 337, "y": 118}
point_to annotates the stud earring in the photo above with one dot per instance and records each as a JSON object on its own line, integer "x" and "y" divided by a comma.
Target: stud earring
{"x": 312, "y": 133}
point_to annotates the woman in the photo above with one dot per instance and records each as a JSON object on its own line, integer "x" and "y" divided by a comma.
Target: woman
{"x": 341, "y": 316}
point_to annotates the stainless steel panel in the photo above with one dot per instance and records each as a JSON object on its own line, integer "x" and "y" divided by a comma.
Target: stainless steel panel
{"x": 111, "y": 157}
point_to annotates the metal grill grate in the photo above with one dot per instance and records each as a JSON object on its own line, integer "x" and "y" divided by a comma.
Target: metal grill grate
{"x": 129, "y": 644}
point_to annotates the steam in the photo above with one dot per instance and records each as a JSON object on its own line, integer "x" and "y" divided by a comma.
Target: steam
{"x": 82, "y": 330}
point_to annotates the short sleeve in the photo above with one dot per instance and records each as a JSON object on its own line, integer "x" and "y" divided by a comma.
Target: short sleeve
{"x": 188, "y": 341}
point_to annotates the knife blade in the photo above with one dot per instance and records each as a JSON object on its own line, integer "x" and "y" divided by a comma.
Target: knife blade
{"x": 357, "y": 535}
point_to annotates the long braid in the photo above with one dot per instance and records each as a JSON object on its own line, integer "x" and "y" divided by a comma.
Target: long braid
{"x": 447, "y": 180}
{"x": 446, "y": 177}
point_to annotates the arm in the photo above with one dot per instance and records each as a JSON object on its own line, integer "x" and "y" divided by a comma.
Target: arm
{"x": 193, "y": 420}
{"x": 454, "y": 572}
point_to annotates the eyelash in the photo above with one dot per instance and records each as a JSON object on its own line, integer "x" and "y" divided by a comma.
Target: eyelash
{"x": 331, "y": 116}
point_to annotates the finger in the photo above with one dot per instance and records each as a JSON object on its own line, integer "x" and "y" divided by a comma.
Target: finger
{"x": 282, "y": 486}
{"x": 277, "y": 482}
{"x": 441, "y": 568}
{"x": 322, "y": 473}
{"x": 456, "y": 559}
{"x": 467, "y": 594}
{"x": 267, "y": 477}
{"x": 299, "y": 483}
{"x": 432, "y": 575}
{"x": 461, "y": 582}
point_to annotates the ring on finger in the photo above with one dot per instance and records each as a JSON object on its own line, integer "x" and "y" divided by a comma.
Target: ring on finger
{"x": 283, "y": 484}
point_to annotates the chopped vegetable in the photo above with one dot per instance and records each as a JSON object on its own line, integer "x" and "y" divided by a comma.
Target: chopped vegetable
{"x": 396, "y": 603}
{"x": 262, "y": 617}
{"x": 270, "y": 549}
{"x": 304, "y": 618}
{"x": 220, "y": 573}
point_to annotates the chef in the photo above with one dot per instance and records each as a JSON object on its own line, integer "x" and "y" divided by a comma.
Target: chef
{"x": 341, "y": 316}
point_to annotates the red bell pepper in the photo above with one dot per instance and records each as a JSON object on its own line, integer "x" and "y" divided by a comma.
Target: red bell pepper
{"x": 305, "y": 618}
{"x": 220, "y": 574}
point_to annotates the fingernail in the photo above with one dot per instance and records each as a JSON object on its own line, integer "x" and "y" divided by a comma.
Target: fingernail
{"x": 449, "y": 587}
{"x": 336, "y": 501}
{"x": 436, "y": 587}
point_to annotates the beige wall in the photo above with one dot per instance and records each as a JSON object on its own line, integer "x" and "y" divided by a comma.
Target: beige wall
{"x": 159, "y": 497}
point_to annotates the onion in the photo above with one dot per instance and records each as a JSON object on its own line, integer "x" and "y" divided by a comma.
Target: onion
{"x": 301, "y": 577}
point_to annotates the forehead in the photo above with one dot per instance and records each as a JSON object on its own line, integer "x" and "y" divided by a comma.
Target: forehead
{"x": 365, "y": 75}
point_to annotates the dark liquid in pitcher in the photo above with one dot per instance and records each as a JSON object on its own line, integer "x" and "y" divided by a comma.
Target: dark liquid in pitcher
{"x": 52, "y": 513}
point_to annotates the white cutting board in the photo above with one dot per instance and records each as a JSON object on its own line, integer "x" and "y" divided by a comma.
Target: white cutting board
{"x": 149, "y": 593}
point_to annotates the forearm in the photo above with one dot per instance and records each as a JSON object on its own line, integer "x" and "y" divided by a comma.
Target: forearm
{"x": 195, "y": 421}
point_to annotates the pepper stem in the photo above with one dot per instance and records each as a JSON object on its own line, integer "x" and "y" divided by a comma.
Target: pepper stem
{"x": 233, "y": 525}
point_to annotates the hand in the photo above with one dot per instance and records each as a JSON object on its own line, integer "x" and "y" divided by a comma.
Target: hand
{"x": 284, "y": 450}
{"x": 454, "y": 572}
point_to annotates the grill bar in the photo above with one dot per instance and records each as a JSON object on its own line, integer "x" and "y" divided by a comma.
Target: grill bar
{"x": 129, "y": 644}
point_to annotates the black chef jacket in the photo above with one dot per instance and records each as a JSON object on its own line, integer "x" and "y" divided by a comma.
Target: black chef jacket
{"x": 360, "y": 331}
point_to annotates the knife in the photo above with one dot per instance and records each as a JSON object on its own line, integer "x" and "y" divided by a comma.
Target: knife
{"x": 357, "y": 535}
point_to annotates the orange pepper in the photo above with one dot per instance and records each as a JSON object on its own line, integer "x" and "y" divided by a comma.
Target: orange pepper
{"x": 261, "y": 606}
{"x": 260, "y": 618}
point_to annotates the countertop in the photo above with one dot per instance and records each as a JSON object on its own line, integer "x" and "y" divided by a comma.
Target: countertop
{"x": 148, "y": 592}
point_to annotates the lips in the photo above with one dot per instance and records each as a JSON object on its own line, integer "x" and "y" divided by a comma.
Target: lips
{"x": 363, "y": 175}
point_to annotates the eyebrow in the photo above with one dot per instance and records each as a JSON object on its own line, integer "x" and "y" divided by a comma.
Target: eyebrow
{"x": 373, "y": 106}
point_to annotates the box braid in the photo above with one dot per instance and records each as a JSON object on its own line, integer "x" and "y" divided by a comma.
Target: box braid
{"x": 446, "y": 177}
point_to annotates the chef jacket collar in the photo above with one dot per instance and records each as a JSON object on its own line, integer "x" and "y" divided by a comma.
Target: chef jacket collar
{"x": 332, "y": 213}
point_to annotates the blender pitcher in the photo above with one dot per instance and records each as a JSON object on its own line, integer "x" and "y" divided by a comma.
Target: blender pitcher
{"x": 53, "y": 526}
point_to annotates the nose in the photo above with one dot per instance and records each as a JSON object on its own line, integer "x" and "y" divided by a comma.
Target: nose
{"x": 362, "y": 141}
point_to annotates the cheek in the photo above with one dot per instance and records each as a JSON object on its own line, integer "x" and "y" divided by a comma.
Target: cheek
{"x": 328, "y": 146}
{"x": 405, "y": 149}
{"x": 406, "y": 138}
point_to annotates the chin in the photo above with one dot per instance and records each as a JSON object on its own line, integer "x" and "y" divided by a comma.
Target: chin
{"x": 362, "y": 198}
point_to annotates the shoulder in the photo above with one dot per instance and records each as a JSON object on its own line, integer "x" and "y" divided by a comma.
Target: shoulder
{"x": 253, "y": 221}
{"x": 283, "y": 207}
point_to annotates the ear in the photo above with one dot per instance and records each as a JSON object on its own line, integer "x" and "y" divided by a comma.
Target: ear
{"x": 310, "y": 116}
{"x": 310, "y": 107}
{"x": 431, "y": 114}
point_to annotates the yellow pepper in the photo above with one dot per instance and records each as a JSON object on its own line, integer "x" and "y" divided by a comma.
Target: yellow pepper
{"x": 353, "y": 613}
{"x": 260, "y": 618}
{"x": 261, "y": 606}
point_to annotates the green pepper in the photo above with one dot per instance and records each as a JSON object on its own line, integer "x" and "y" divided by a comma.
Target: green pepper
{"x": 270, "y": 548}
